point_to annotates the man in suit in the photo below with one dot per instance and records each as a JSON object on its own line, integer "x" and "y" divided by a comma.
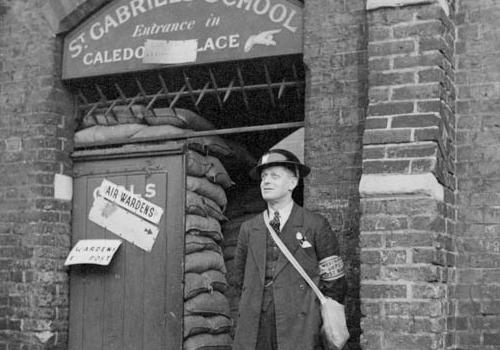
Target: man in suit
{"x": 278, "y": 310}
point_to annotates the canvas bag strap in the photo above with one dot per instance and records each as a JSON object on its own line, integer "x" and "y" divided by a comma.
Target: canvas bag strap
{"x": 295, "y": 263}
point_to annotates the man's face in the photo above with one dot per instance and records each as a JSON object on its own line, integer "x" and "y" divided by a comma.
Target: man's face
{"x": 277, "y": 183}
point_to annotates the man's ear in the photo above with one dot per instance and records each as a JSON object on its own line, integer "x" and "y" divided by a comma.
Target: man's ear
{"x": 294, "y": 181}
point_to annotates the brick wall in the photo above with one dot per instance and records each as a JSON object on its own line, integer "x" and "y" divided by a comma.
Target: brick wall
{"x": 407, "y": 188}
{"x": 336, "y": 98}
{"x": 478, "y": 140}
{"x": 35, "y": 134}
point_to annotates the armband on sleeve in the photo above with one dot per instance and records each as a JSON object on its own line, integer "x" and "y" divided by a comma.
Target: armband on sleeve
{"x": 331, "y": 268}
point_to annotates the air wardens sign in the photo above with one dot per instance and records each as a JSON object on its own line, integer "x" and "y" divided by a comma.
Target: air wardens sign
{"x": 135, "y": 35}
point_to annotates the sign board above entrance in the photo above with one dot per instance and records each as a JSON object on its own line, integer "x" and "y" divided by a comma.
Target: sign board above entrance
{"x": 114, "y": 39}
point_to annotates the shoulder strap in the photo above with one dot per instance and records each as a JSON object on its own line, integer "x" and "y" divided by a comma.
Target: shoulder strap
{"x": 295, "y": 263}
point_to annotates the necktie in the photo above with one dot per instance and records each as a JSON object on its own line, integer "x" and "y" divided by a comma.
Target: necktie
{"x": 275, "y": 222}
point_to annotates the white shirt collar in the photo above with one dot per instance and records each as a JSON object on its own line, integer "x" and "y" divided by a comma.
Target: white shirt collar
{"x": 284, "y": 213}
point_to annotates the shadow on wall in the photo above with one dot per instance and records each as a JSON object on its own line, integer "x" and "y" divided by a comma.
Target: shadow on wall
{"x": 334, "y": 144}
{"x": 336, "y": 103}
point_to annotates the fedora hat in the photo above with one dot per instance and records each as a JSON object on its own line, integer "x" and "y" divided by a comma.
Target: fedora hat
{"x": 279, "y": 157}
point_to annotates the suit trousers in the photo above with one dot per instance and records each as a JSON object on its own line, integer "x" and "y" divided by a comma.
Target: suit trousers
{"x": 266, "y": 336}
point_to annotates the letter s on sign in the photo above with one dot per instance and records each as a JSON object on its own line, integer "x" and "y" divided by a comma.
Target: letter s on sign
{"x": 75, "y": 45}
{"x": 150, "y": 190}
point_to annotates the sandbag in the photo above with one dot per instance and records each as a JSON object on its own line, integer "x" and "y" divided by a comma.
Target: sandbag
{"x": 134, "y": 114}
{"x": 180, "y": 116}
{"x": 208, "y": 342}
{"x": 240, "y": 153}
{"x": 204, "y": 260}
{"x": 194, "y": 204}
{"x": 216, "y": 236}
{"x": 100, "y": 133}
{"x": 204, "y": 187}
{"x": 159, "y": 131}
{"x": 201, "y": 223}
{"x": 210, "y": 145}
{"x": 195, "y": 243}
{"x": 218, "y": 324}
{"x": 206, "y": 282}
{"x": 203, "y": 206}
{"x": 197, "y": 164}
{"x": 166, "y": 116}
{"x": 213, "y": 209}
{"x": 207, "y": 304}
{"x": 218, "y": 174}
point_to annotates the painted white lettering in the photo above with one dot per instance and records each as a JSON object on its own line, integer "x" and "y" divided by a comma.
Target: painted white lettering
{"x": 142, "y": 30}
{"x": 109, "y": 22}
{"x": 98, "y": 57}
{"x": 138, "y": 30}
{"x": 221, "y": 42}
{"x": 274, "y": 9}
{"x": 96, "y": 31}
{"x": 136, "y": 6}
{"x": 87, "y": 59}
{"x": 277, "y": 13}
{"x": 247, "y": 2}
{"x": 233, "y": 41}
{"x": 76, "y": 45}
{"x": 123, "y": 14}
{"x": 209, "y": 44}
{"x": 107, "y": 59}
{"x": 116, "y": 55}
{"x": 128, "y": 53}
{"x": 288, "y": 20}
{"x": 150, "y": 191}
{"x": 156, "y": 28}
{"x": 263, "y": 10}
{"x": 139, "y": 52}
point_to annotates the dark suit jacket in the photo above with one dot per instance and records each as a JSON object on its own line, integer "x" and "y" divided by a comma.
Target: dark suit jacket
{"x": 297, "y": 309}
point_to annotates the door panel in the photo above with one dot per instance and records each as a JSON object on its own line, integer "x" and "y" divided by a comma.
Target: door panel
{"x": 136, "y": 301}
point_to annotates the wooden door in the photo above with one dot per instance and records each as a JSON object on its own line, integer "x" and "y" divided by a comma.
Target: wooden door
{"x": 136, "y": 302}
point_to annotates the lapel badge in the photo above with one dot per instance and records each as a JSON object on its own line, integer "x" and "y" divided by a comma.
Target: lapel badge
{"x": 304, "y": 243}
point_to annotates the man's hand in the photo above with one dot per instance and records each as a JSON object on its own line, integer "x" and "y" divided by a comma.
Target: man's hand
{"x": 263, "y": 38}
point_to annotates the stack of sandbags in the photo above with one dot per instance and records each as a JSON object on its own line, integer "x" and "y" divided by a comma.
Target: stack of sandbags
{"x": 136, "y": 123}
{"x": 104, "y": 124}
{"x": 242, "y": 205}
{"x": 207, "y": 316}
{"x": 118, "y": 115}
